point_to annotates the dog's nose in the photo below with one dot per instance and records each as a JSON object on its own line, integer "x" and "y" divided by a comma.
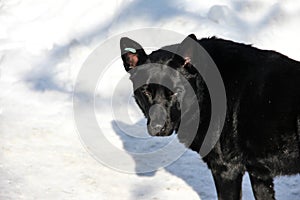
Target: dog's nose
{"x": 158, "y": 117}
{"x": 156, "y": 128}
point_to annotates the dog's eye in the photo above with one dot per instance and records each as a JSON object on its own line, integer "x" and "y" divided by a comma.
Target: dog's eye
{"x": 174, "y": 96}
{"x": 177, "y": 94}
{"x": 146, "y": 90}
{"x": 147, "y": 93}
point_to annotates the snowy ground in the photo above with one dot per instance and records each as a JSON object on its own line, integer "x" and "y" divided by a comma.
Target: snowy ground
{"x": 43, "y": 45}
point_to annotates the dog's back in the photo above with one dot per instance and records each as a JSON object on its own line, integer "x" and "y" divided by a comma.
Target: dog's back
{"x": 261, "y": 132}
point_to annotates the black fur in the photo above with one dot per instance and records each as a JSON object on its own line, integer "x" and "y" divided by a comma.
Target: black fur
{"x": 262, "y": 126}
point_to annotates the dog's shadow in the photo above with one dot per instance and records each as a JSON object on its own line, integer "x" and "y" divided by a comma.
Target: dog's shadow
{"x": 188, "y": 167}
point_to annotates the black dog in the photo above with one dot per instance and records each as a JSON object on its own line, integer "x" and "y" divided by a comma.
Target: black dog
{"x": 262, "y": 125}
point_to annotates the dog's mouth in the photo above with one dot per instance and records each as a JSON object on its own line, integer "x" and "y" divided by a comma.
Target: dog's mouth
{"x": 166, "y": 130}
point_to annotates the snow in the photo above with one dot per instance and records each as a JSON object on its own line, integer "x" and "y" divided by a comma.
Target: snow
{"x": 43, "y": 46}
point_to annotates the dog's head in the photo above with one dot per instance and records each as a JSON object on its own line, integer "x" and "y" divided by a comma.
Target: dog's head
{"x": 158, "y": 82}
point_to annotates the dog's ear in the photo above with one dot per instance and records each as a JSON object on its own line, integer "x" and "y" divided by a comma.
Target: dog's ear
{"x": 187, "y": 49}
{"x": 132, "y": 53}
{"x": 187, "y": 54}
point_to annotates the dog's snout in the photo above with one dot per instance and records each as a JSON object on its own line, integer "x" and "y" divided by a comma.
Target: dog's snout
{"x": 158, "y": 115}
{"x": 155, "y": 129}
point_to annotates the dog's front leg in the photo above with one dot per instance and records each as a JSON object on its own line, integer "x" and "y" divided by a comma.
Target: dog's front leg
{"x": 228, "y": 183}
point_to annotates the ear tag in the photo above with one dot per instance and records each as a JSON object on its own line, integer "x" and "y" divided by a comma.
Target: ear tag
{"x": 131, "y": 50}
{"x": 187, "y": 61}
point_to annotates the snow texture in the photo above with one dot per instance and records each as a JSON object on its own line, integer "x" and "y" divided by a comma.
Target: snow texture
{"x": 43, "y": 45}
